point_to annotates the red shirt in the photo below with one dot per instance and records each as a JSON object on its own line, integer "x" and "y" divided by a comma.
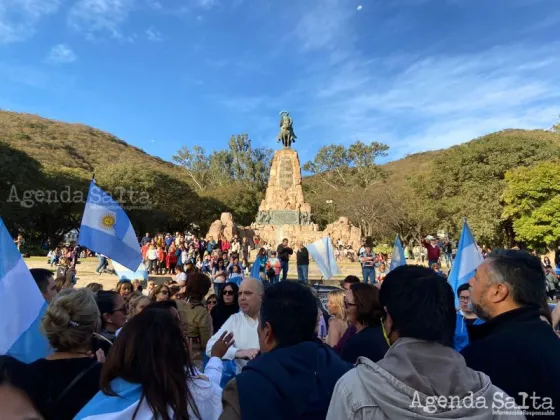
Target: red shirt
{"x": 433, "y": 251}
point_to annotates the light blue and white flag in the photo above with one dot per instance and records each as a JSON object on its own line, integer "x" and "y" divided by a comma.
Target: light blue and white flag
{"x": 125, "y": 274}
{"x": 207, "y": 394}
{"x": 102, "y": 406}
{"x": 322, "y": 252}
{"x": 398, "y": 258}
{"x": 466, "y": 262}
{"x": 21, "y": 306}
{"x": 106, "y": 229}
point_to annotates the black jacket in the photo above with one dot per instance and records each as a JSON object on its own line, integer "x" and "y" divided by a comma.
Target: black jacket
{"x": 284, "y": 252}
{"x": 302, "y": 256}
{"x": 520, "y": 353}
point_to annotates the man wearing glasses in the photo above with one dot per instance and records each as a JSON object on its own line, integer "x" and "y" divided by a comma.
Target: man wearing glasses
{"x": 465, "y": 317}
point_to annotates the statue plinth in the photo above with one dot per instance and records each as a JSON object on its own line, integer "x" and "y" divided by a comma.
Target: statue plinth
{"x": 284, "y": 213}
{"x": 283, "y": 203}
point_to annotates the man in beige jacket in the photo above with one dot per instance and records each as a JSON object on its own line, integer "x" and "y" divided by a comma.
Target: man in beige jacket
{"x": 421, "y": 375}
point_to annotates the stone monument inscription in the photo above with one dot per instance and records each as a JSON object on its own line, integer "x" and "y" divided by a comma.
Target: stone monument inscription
{"x": 286, "y": 217}
{"x": 285, "y": 173}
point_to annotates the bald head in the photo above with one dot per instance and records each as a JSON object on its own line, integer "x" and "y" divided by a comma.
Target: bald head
{"x": 252, "y": 283}
{"x": 250, "y": 296}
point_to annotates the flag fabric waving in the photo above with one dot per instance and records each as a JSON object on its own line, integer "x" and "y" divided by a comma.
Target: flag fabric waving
{"x": 398, "y": 258}
{"x": 323, "y": 253}
{"x": 124, "y": 273}
{"x": 21, "y": 306}
{"x": 467, "y": 260}
{"x": 106, "y": 229}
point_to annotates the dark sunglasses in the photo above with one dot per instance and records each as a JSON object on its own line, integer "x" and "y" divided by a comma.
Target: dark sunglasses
{"x": 212, "y": 302}
{"x": 227, "y": 292}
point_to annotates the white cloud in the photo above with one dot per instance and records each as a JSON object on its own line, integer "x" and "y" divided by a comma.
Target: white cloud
{"x": 61, "y": 54}
{"x": 100, "y": 16}
{"x": 19, "y": 18}
{"x": 445, "y": 99}
{"x": 207, "y": 4}
{"x": 153, "y": 35}
{"x": 323, "y": 25}
{"x": 154, "y": 4}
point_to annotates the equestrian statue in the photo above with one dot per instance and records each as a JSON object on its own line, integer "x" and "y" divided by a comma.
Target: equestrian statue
{"x": 286, "y": 136}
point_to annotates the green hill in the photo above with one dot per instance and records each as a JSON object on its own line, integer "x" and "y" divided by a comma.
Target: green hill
{"x": 421, "y": 193}
{"x": 58, "y": 144}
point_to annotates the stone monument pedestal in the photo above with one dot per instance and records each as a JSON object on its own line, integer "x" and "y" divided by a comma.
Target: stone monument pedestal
{"x": 283, "y": 213}
{"x": 283, "y": 203}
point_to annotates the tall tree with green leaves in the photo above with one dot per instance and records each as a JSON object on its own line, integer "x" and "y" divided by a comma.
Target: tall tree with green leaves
{"x": 237, "y": 175}
{"x": 339, "y": 167}
{"x": 532, "y": 202}
{"x": 196, "y": 165}
{"x": 468, "y": 180}
{"x": 342, "y": 180}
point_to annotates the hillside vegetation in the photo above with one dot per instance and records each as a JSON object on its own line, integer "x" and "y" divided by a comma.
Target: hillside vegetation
{"x": 415, "y": 195}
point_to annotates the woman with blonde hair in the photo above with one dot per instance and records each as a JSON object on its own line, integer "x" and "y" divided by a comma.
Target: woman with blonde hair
{"x": 68, "y": 378}
{"x": 137, "y": 305}
{"x": 337, "y": 323}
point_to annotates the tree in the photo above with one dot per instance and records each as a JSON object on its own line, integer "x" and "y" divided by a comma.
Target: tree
{"x": 153, "y": 200}
{"x": 468, "y": 180}
{"x": 240, "y": 162}
{"x": 341, "y": 167}
{"x": 195, "y": 163}
{"x": 532, "y": 202}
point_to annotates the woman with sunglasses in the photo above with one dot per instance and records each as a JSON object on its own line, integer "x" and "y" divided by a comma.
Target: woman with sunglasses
{"x": 160, "y": 293}
{"x": 364, "y": 312}
{"x": 113, "y": 312}
{"x": 227, "y": 305}
{"x": 211, "y": 301}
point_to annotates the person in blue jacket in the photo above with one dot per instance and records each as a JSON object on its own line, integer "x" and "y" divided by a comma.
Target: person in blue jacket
{"x": 465, "y": 317}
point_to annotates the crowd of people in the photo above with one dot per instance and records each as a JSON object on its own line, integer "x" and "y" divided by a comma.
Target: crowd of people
{"x": 219, "y": 341}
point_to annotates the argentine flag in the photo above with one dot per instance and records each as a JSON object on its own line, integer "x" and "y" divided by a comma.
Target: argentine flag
{"x": 466, "y": 262}
{"x": 21, "y": 306}
{"x": 323, "y": 253}
{"x": 107, "y": 230}
{"x": 124, "y": 273}
{"x": 398, "y": 258}
{"x": 206, "y": 391}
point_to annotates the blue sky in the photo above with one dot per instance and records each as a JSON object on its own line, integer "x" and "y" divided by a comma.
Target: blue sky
{"x": 414, "y": 74}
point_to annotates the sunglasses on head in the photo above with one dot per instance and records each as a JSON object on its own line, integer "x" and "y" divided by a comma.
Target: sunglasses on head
{"x": 227, "y": 292}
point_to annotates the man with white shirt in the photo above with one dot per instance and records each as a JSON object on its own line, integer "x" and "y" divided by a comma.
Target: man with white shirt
{"x": 243, "y": 325}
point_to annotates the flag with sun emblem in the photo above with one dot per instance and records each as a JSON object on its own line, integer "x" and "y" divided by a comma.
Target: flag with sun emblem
{"x": 106, "y": 229}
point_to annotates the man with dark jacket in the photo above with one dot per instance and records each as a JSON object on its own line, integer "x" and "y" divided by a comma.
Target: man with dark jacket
{"x": 302, "y": 260}
{"x": 518, "y": 350}
{"x": 284, "y": 252}
{"x": 295, "y": 376}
